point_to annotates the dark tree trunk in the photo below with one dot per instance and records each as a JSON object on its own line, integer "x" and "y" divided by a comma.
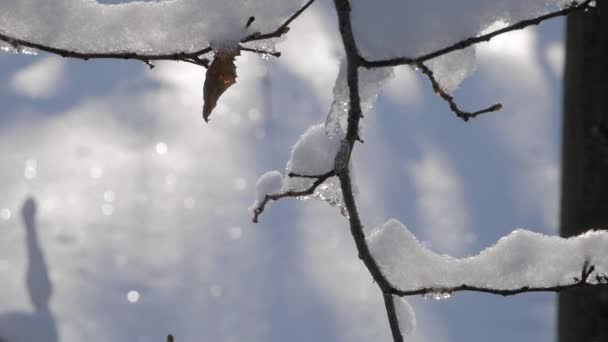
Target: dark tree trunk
{"x": 583, "y": 314}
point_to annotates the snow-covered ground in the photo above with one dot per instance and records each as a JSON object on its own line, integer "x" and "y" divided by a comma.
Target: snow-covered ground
{"x": 142, "y": 210}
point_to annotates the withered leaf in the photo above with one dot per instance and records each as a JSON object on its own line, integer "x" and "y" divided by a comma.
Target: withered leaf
{"x": 220, "y": 75}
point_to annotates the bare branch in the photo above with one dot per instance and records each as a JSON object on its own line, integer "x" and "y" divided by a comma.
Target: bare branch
{"x": 193, "y": 57}
{"x": 320, "y": 179}
{"x": 281, "y": 30}
{"x": 261, "y": 52}
{"x": 343, "y": 10}
{"x": 354, "y": 61}
{"x": 450, "y": 99}
{"x": 573, "y": 7}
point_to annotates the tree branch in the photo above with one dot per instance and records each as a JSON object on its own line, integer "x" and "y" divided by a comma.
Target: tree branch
{"x": 578, "y": 282}
{"x": 343, "y": 10}
{"x": 354, "y": 61}
{"x": 281, "y": 30}
{"x": 193, "y": 57}
{"x": 571, "y": 8}
{"x": 320, "y": 179}
{"x": 450, "y": 99}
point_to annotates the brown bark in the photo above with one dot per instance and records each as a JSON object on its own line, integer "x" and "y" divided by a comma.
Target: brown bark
{"x": 583, "y": 313}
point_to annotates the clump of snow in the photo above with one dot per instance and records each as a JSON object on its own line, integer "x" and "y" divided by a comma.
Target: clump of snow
{"x": 522, "y": 258}
{"x": 269, "y": 183}
{"x": 144, "y": 27}
{"x": 314, "y": 154}
{"x": 405, "y": 315}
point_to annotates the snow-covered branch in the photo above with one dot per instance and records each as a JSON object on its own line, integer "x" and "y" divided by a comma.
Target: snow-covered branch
{"x": 319, "y": 180}
{"x": 372, "y": 255}
{"x": 343, "y": 9}
{"x": 574, "y": 6}
{"x": 521, "y": 262}
{"x": 195, "y": 57}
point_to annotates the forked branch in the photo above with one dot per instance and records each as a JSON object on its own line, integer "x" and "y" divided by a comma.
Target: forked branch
{"x": 319, "y": 179}
{"x": 354, "y": 61}
{"x": 450, "y": 99}
{"x": 575, "y": 6}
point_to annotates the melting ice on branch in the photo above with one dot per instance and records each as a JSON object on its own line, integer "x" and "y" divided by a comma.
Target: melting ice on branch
{"x": 520, "y": 259}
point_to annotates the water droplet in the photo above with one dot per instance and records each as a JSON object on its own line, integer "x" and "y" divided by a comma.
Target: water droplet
{"x": 133, "y": 296}
{"x": 170, "y": 180}
{"x": 107, "y": 209}
{"x": 438, "y": 294}
{"x": 5, "y": 214}
{"x": 30, "y": 170}
{"x": 17, "y": 49}
{"x": 109, "y": 196}
{"x": 162, "y": 148}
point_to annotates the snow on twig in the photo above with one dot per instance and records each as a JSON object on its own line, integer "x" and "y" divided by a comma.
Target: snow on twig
{"x": 193, "y": 57}
{"x": 319, "y": 179}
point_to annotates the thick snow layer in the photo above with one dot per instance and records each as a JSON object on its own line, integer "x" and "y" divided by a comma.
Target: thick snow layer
{"x": 392, "y": 28}
{"x": 522, "y": 258}
{"x": 147, "y": 27}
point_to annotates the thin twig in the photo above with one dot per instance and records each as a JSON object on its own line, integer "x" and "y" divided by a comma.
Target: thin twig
{"x": 582, "y": 282}
{"x": 261, "y": 52}
{"x": 450, "y": 99}
{"x": 281, "y": 30}
{"x": 142, "y": 57}
{"x": 573, "y": 7}
{"x": 320, "y": 179}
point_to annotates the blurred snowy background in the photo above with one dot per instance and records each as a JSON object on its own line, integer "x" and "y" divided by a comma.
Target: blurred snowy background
{"x": 142, "y": 208}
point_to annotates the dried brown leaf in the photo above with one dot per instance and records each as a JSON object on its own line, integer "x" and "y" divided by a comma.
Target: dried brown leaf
{"x": 221, "y": 74}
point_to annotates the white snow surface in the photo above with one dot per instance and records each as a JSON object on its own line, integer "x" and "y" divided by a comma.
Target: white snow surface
{"x": 144, "y": 27}
{"x": 393, "y": 28}
{"x": 522, "y": 258}
{"x": 314, "y": 154}
{"x": 269, "y": 183}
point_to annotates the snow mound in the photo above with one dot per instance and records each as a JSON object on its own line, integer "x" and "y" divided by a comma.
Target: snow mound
{"x": 522, "y": 258}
